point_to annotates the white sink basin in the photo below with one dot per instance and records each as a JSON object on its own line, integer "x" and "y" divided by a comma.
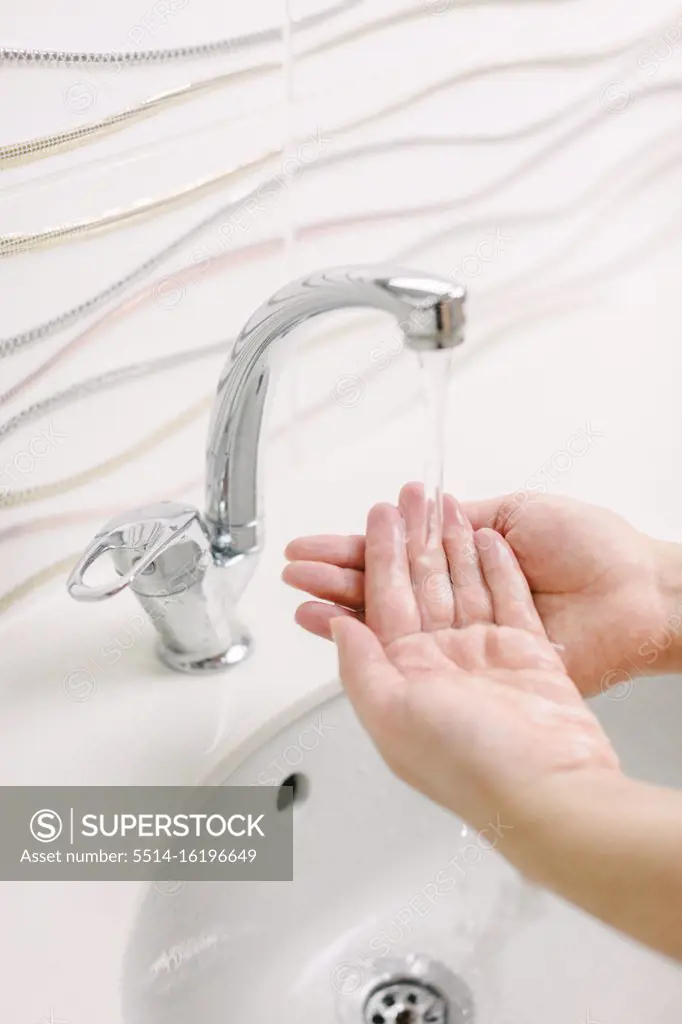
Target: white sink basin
{"x": 381, "y": 873}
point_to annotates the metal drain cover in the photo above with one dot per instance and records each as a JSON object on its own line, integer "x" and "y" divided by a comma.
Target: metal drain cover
{"x": 406, "y": 1002}
{"x": 411, "y": 989}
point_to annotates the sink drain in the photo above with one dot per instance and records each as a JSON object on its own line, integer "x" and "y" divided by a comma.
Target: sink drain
{"x": 412, "y": 989}
{"x": 406, "y": 1002}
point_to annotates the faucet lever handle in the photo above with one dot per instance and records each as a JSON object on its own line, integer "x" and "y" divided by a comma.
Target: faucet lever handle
{"x": 136, "y": 538}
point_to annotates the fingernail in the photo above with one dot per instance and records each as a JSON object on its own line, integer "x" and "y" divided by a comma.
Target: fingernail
{"x": 485, "y": 539}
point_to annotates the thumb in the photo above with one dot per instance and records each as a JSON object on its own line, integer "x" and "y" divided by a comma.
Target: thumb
{"x": 366, "y": 673}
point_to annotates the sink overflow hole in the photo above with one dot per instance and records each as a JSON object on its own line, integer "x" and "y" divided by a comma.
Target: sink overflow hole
{"x": 293, "y": 790}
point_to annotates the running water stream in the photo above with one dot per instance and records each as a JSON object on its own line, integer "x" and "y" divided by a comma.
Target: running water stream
{"x": 435, "y": 374}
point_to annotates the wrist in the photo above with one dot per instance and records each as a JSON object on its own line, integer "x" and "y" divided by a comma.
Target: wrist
{"x": 550, "y": 820}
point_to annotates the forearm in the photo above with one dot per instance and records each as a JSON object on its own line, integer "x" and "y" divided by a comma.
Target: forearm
{"x": 611, "y": 846}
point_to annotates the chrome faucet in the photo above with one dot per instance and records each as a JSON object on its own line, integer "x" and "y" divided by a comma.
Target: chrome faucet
{"x": 187, "y": 570}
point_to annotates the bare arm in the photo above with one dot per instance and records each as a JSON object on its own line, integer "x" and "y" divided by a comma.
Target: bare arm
{"x": 468, "y": 701}
{"x": 611, "y": 845}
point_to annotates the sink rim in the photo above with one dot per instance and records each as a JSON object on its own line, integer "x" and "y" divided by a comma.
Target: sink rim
{"x": 233, "y": 758}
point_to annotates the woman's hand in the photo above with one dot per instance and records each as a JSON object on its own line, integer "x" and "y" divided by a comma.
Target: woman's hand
{"x": 460, "y": 689}
{"x": 468, "y": 701}
{"x": 608, "y": 596}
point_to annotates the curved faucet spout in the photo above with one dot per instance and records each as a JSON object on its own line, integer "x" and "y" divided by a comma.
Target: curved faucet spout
{"x": 430, "y": 313}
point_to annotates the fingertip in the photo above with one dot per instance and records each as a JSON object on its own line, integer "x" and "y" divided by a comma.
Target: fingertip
{"x": 413, "y": 510}
{"x": 315, "y": 616}
{"x": 496, "y": 553}
{"x": 486, "y": 539}
{"x": 287, "y": 574}
{"x": 312, "y": 616}
{"x": 499, "y": 550}
{"x": 410, "y": 491}
{"x": 454, "y": 517}
{"x": 359, "y": 649}
{"x": 302, "y": 615}
{"x": 513, "y": 602}
{"x": 302, "y": 575}
{"x": 381, "y": 513}
{"x": 291, "y": 551}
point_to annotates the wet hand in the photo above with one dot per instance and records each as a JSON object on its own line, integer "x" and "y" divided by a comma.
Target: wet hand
{"x": 459, "y": 686}
{"x": 608, "y": 595}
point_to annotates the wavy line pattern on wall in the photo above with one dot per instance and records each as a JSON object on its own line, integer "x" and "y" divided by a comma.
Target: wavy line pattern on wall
{"x": 14, "y": 243}
{"x": 28, "y": 150}
{"x": 117, "y": 377}
{"x": 608, "y": 182}
{"x": 42, "y": 331}
{"x": 236, "y": 44}
{"x": 230, "y": 45}
{"x": 553, "y": 136}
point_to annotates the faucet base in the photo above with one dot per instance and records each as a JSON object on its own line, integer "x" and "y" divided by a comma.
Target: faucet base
{"x": 183, "y": 661}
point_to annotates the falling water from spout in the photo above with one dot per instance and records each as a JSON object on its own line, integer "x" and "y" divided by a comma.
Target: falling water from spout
{"x": 435, "y": 374}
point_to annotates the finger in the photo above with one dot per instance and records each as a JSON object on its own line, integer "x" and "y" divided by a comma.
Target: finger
{"x": 497, "y": 513}
{"x": 428, "y": 564}
{"x": 390, "y": 605}
{"x": 369, "y": 678}
{"x": 347, "y": 552}
{"x": 512, "y": 600}
{"x": 314, "y": 616}
{"x": 328, "y": 582}
{"x": 473, "y": 602}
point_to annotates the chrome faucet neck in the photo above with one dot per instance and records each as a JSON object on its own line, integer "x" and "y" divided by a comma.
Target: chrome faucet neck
{"x": 430, "y": 313}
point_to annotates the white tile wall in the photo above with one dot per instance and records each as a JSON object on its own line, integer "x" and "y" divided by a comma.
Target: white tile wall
{"x": 549, "y": 128}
